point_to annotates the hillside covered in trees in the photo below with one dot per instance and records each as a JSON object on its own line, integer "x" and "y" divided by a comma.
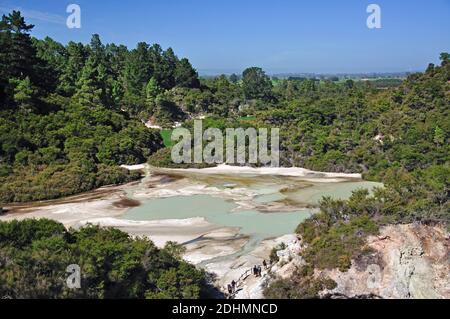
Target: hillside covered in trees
{"x": 71, "y": 114}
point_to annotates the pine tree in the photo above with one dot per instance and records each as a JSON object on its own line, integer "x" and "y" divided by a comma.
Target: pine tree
{"x": 24, "y": 93}
{"x": 53, "y": 57}
{"x": 97, "y": 49}
{"x": 21, "y": 54}
{"x": 185, "y": 75}
{"x": 71, "y": 72}
{"x": 138, "y": 70}
{"x": 89, "y": 90}
{"x": 166, "y": 70}
{"x": 18, "y": 57}
{"x": 256, "y": 84}
{"x": 152, "y": 90}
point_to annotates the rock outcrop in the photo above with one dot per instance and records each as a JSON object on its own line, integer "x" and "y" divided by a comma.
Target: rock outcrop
{"x": 408, "y": 261}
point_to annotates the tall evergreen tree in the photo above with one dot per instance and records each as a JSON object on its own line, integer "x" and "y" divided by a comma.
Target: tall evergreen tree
{"x": 90, "y": 90}
{"x": 18, "y": 57}
{"x": 24, "y": 93}
{"x": 152, "y": 89}
{"x": 76, "y": 56}
{"x": 138, "y": 70}
{"x": 185, "y": 75}
{"x": 54, "y": 56}
{"x": 256, "y": 84}
{"x": 166, "y": 71}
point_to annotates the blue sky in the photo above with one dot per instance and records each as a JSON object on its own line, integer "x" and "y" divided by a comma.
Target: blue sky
{"x": 321, "y": 36}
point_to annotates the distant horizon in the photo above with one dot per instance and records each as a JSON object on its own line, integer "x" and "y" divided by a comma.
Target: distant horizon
{"x": 218, "y": 72}
{"x": 322, "y": 37}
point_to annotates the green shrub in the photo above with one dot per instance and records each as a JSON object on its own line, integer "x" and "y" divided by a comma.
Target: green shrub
{"x": 302, "y": 285}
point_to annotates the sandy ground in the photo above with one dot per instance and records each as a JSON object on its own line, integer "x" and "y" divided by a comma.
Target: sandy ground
{"x": 134, "y": 167}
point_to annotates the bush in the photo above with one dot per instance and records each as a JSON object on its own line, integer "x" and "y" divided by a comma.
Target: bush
{"x": 273, "y": 253}
{"x": 302, "y": 285}
{"x": 163, "y": 158}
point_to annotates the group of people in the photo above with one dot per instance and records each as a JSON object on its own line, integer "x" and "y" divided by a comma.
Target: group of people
{"x": 256, "y": 270}
{"x": 231, "y": 287}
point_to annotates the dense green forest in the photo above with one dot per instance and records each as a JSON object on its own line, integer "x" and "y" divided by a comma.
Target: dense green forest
{"x": 34, "y": 255}
{"x": 71, "y": 114}
{"x": 338, "y": 126}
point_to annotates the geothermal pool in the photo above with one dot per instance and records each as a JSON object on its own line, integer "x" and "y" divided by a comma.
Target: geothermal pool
{"x": 260, "y": 206}
{"x": 219, "y": 212}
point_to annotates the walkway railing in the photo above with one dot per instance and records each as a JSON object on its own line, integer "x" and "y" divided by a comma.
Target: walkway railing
{"x": 244, "y": 276}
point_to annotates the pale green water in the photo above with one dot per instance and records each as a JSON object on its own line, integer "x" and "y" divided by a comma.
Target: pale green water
{"x": 219, "y": 211}
{"x": 299, "y": 194}
{"x": 312, "y": 194}
{"x": 287, "y": 192}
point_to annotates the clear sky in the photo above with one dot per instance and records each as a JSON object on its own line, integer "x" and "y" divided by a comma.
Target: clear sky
{"x": 321, "y": 36}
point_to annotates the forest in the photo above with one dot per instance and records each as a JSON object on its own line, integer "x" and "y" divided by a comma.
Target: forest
{"x": 34, "y": 255}
{"x": 71, "y": 114}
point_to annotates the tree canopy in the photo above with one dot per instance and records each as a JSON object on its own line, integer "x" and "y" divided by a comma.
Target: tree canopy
{"x": 34, "y": 255}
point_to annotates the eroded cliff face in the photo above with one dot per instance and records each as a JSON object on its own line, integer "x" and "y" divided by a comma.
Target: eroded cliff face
{"x": 409, "y": 261}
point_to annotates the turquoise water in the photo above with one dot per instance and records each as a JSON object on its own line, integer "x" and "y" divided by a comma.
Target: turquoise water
{"x": 219, "y": 212}
{"x": 298, "y": 194}
{"x": 311, "y": 195}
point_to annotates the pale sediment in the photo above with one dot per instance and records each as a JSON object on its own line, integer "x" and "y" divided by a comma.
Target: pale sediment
{"x": 278, "y": 171}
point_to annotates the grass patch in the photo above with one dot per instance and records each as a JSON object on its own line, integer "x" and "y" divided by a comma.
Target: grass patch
{"x": 166, "y": 133}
